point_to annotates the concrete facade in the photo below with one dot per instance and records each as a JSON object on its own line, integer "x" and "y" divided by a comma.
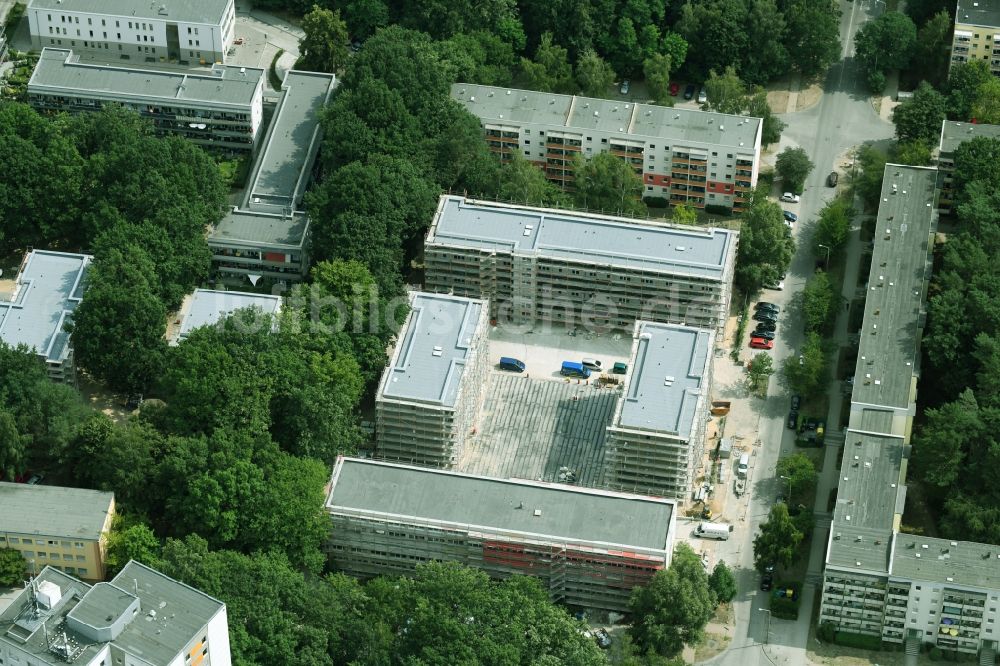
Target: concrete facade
{"x": 658, "y": 432}
{"x": 977, "y": 33}
{"x": 697, "y": 158}
{"x": 588, "y": 547}
{"x": 435, "y": 382}
{"x": 185, "y": 31}
{"x": 265, "y": 238}
{"x": 140, "y": 618}
{"x": 220, "y": 109}
{"x": 65, "y": 528}
{"x": 601, "y": 272}
{"x": 47, "y": 289}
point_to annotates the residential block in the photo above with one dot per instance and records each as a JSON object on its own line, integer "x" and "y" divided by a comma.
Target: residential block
{"x": 977, "y": 33}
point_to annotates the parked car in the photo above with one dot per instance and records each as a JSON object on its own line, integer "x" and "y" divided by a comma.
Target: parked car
{"x": 766, "y": 582}
{"x": 832, "y": 179}
{"x": 689, "y": 91}
{"x": 702, "y": 96}
{"x": 674, "y": 88}
{"x": 592, "y": 364}
{"x": 766, "y": 326}
{"x": 36, "y": 479}
{"x": 603, "y": 638}
{"x": 625, "y": 86}
{"x": 761, "y": 343}
{"x": 793, "y": 420}
{"x": 790, "y": 216}
{"x": 765, "y": 305}
{"x": 767, "y": 335}
{"x": 512, "y": 364}
{"x": 796, "y": 402}
{"x": 790, "y": 197}
{"x": 776, "y": 285}
{"x": 765, "y": 315}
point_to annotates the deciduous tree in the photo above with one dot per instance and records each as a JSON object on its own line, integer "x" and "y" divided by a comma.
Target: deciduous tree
{"x": 793, "y": 167}
{"x": 765, "y": 248}
{"x": 550, "y": 70}
{"x": 919, "y": 118}
{"x": 13, "y": 567}
{"x": 964, "y": 81}
{"x": 594, "y": 76}
{"x": 813, "y": 35}
{"x": 726, "y": 92}
{"x": 986, "y": 107}
{"x": 522, "y": 182}
{"x": 800, "y": 469}
{"x": 777, "y": 544}
{"x": 657, "y": 69}
{"x": 819, "y": 303}
{"x": 886, "y": 43}
{"x": 723, "y": 583}
{"x": 608, "y": 183}
{"x": 323, "y": 47}
{"x": 807, "y": 373}
{"x": 832, "y": 228}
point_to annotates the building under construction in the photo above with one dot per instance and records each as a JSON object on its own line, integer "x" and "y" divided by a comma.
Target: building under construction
{"x": 589, "y": 547}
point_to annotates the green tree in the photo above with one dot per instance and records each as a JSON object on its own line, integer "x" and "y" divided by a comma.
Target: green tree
{"x": 674, "y": 46}
{"x": 867, "y": 177}
{"x": 478, "y": 57}
{"x": 832, "y": 228}
{"x": 807, "y": 374}
{"x": 522, "y": 182}
{"x": 726, "y": 92}
{"x": 684, "y": 214}
{"x": 813, "y": 35}
{"x": 673, "y": 609}
{"x": 760, "y": 371}
{"x": 723, "y": 583}
{"x": 594, "y": 76}
{"x": 716, "y": 32}
{"x": 766, "y": 33}
{"x": 758, "y": 107}
{"x": 986, "y": 106}
{"x": 657, "y": 70}
{"x": 765, "y": 250}
{"x": 608, "y": 183}
{"x": 941, "y": 443}
{"x": 13, "y": 567}
{"x": 930, "y": 56}
{"x": 118, "y": 328}
{"x": 364, "y": 17}
{"x": 550, "y": 71}
{"x": 800, "y": 469}
{"x": 915, "y": 153}
{"x": 819, "y": 303}
{"x": 964, "y": 81}
{"x": 921, "y": 11}
{"x": 886, "y": 43}
{"x": 793, "y": 167}
{"x": 323, "y": 47}
{"x": 134, "y": 542}
{"x": 12, "y": 449}
{"x": 778, "y": 541}
{"x": 919, "y": 118}
{"x": 977, "y": 159}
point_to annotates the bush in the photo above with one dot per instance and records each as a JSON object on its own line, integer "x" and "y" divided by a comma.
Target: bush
{"x": 786, "y": 608}
{"x": 860, "y": 641}
{"x": 656, "y": 202}
{"x": 826, "y": 632}
{"x": 935, "y": 653}
{"x": 716, "y": 209}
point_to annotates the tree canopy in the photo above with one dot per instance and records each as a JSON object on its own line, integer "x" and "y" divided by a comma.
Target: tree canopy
{"x": 608, "y": 183}
{"x": 777, "y": 544}
{"x": 793, "y": 166}
{"x": 766, "y": 248}
{"x": 323, "y": 48}
{"x": 919, "y": 118}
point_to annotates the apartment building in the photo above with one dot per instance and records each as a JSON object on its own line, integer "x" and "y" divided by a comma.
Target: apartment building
{"x": 184, "y": 31}
{"x": 977, "y": 33}
{"x": 598, "y": 271}
{"x": 435, "y": 382}
{"x": 953, "y": 134}
{"x": 141, "y": 617}
{"x": 657, "y": 435}
{"x": 46, "y": 291}
{"x": 64, "y": 528}
{"x": 209, "y": 307}
{"x": 220, "y": 109}
{"x": 265, "y": 238}
{"x": 698, "y": 158}
{"x": 588, "y": 547}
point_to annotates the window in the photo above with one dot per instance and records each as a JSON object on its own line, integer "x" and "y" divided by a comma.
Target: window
{"x": 189, "y": 30}
{"x": 28, "y": 553}
{"x": 78, "y": 544}
{"x": 50, "y": 29}
{"x": 527, "y": 143}
{"x": 39, "y": 542}
{"x": 117, "y": 25}
{"x": 130, "y": 25}
{"x": 77, "y": 32}
{"x": 89, "y": 22}
{"x": 14, "y": 540}
{"x": 81, "y": 571}
{"x": 103, "y": 23}
{"x": 80, "y": 558}
{"x": 91, "y": 33}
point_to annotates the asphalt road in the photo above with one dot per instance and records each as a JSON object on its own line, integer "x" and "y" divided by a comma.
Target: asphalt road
{"x": 842, "y": 119}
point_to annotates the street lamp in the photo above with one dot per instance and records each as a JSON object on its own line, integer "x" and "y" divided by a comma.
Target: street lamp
{"x": 789, "y": 479}
{"x": 827, "y": 248}
{"x": 767, "y": 627}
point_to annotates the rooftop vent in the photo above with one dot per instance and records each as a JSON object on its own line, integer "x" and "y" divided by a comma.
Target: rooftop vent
{"x": 917, "y": 554}
{"x": 950, "y": 579}
{"x": 596, "y": 114}
{"x": 437, "y": 350}
{"x": 924, "y": 546}
{"x": 472, "y": 99}
{"x": 538, "y": 512}
{"x": 680, "y": 248}
{"x": 954, "y": 543}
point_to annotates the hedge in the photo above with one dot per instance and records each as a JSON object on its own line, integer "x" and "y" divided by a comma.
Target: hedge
{"x": 861, "y": 641}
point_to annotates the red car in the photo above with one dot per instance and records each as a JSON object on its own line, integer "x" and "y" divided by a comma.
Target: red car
{"x": 761, "y": 343}
{"x": 674, "y": 88}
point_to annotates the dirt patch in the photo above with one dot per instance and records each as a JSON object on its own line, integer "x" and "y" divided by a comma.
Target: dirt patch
{"x": 778, "y": 100}
{"x": 100, "y": 399}
{"x": 808, "y": 96}
{"x": 711, "y": 645}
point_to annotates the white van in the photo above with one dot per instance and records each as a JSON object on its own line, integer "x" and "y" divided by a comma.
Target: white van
{"x": 743, "y": 466}
{"x": 718, "y": 531}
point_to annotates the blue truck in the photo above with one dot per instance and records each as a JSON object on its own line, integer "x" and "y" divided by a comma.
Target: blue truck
{"x": 574, "y": 369}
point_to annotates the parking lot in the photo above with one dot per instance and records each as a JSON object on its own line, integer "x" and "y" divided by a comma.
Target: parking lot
{"x": 545, "y": 348}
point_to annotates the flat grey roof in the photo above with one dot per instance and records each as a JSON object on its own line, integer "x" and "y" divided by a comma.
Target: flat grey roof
{"x": 668, "y": 368}
{"x": 102, "y": 601}
{"x": 207, "y": 307}
{"x": 181, "y": 612}
{"x": 593, "y": 239}
{"x": 429, "y": 360}
{"x": 59, "y": 72}
{"x": 978, "y": 12}
{"x": 186, "y": 11}
{"x": 954, "y": 134}
{"x": 73, "y": 513}
{"x": 889, "y": 346}
{"x": 282, "y": 169}
{"x": 254, "y": 229}
{"x": 869, "y": 494}
{"x": 945, "y": 561}
{"x": 49, "y": 287}
{"x": 508, "y": 106}
{"x": 388, "y": 491}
